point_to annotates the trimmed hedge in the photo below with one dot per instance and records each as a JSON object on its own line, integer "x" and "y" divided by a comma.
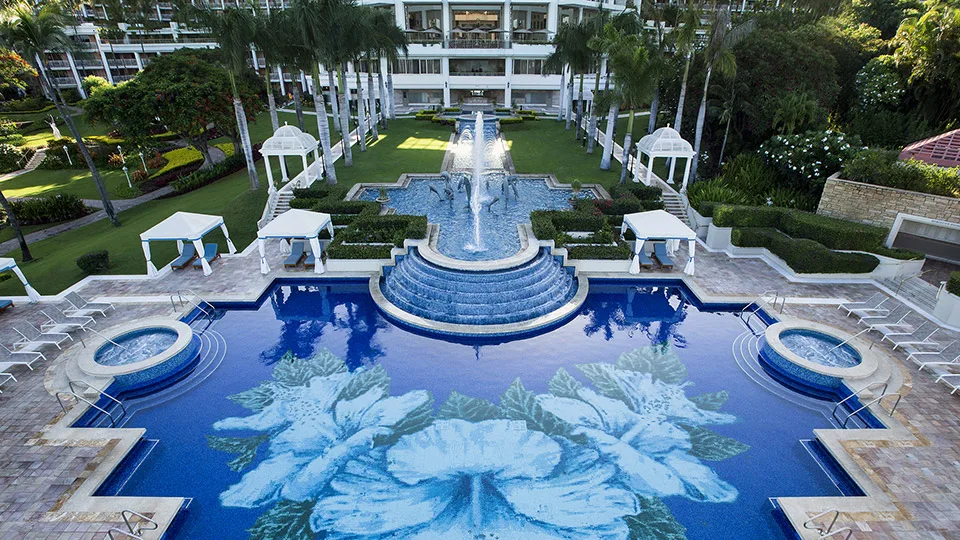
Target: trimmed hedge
{"x": 96, "y": 262}
{"x": 50, "y": 209}
{"x": 640, "y": 191}
{"x": 802, "y": 254}
{"x": 425, "y": 115}
{"x": 444, "y": 120}
{"x": 390, "y": 228}
{"x": 179, "y": 158}
{"x": 313, "y": 192}
{"x": 336, "y": 250}
{"x": 511, "y": 120}
{"x": 619, "y": 252}
{"x": 953, "y": 283}
{"x": 204, "y": 177}
{"x": 346, "y": 207}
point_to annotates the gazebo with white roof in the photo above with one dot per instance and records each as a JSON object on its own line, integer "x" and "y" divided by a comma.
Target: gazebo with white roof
{"x": 184, "y": 227}
{"x": 295, "y": 223}
{"x": 665, "y": 142}
{"x": 7, "y": 263}
{"x": 290, "y": 141}
{"x": 659, "y": 225}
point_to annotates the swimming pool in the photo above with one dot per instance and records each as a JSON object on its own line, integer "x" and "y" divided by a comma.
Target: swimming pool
{"x": 135, "y": 346}
{"x": 638, "y": 416}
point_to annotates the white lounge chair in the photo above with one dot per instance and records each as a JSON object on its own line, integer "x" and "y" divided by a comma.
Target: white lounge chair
{"x": 914, "y": 354}
{"x": 888, "y": 326}
{"x": 915, "y": 343}
{"x": 32, "y": 336}
{"x": 4, "y": 376}
{"x": 945, "y": 378}
{"x": 20, "y": 358}
{"x": 877, "y": 309}
{"x": 83, "y": 307}
{"x": 884, "y": 317}
{"x": 954, "y": 362}
{"x": 871, "y": 302}
{"x": 57, "y": 321}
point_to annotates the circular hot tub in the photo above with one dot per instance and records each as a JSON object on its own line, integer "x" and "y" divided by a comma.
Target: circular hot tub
{"x": 140, "y": 353}
{"x": 815, "y": 355}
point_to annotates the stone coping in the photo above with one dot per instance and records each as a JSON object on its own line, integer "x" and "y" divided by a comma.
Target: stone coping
{"x": 88, "y": 364}
{"x": 868, "y": 360}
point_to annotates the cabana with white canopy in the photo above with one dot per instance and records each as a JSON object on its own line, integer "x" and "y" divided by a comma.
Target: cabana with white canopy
{"x": 659, "y": 225}
{"x": 10, "y": 264}
{"x": 184, "y": 227}
{"x": 295, "y": 223}
{"x": 665, "y": 143}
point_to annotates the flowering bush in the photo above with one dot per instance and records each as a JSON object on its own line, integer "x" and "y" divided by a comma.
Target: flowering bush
{"x": 808, "y": 158}
{"x": 140, "y": 175}
{"x": 115, "y": 161}
{"x": 11, "y": 158}
{"x": 879, "y": 84}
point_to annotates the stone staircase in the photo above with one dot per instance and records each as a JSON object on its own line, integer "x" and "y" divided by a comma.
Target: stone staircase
{"x": 674, "y": 204}
{"x": 914, "y": 290}
{"x": 283, "y": 203}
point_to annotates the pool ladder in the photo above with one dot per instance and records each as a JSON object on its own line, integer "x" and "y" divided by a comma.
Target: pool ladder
{"x": 876, "y": 400}
{"x": 135, "y": 529}
{"x": 828, "y": 531}
{"x": 192, "y": 301}
{"x": 746, "y": 314}
{"x": 100, "y": 393}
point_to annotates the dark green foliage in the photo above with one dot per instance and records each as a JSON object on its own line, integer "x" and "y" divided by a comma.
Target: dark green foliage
{"x": 385, "y": 229}
{"x": 27, "y": 105}
{"x": 953, "y": 284}
{"x": 346, "y": 207}
{"x": 337, "y": 250}
{"x": 803, "y": 255}
{"x": 444, "y": 120}
{"x": 12, "y": 158}
{"x": 313, "y": 192}
{"x": 511, "y": 120}
{"x": 621, "y": 251}
{"x": 542, "y": 223}
{"x": 637, "y": 190}
{"x": 96, "y": 262}
{"x": 204, "y": 177}
{"x": 52, "y": 209}
{"x": 884, "y": 169}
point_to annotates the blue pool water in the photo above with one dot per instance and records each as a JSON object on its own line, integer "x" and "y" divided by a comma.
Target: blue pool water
{"x": 328, "y": 419}
{"x": 135, "y": 346}
{"x": 498, "y": 225}
{"x": 820, "y": 348}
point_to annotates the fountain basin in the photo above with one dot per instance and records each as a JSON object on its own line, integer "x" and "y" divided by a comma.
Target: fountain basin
{"x": 816, "y": 355}
{"x": 140, "y": 353}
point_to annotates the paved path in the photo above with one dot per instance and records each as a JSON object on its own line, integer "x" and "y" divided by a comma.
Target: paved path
{"x": 29, "y": 167}
{"x": 119, "y": 205}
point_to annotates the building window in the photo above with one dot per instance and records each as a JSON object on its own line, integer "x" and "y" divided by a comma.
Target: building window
{"x": 531, "y": 67}
{"x": 426, "y": 66}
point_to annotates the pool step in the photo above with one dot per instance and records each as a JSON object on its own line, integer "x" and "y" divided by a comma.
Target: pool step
{"x": 511, "y": 295}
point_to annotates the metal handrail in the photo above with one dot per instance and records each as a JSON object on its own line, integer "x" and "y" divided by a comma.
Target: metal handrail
{"x": 885, "y": 385}
{"x": 847, "y": 530}
{"x": 122, "y": 533}
{"x": 836, "y": 516}
{"x": 71, "y": 382}
{"x": 105, "y": 337}
{"x": 876, "y": 400}
{"x": 196, "y": 304}
{"x": 125, "y": 514}
{"x": 760, "y": 297}
{"x": 113, "y": 421}
{"x": 844, "y": 342}
{"x": 908, "y": 278}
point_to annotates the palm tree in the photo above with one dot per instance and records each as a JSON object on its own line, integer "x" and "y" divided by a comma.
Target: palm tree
{"x": 390, "y": 41}
{"x": 625, "y": 23}
{"x": 795, "y": 111}
{"x": 310, "y": 19}
{"x": 32, "y": 35}
{"x": 655, "y": 12}
{"x": 718, "y": 56}
{"x": 14, "y": 223}
{"x": 724, "y": 107}
{"x": 634, "y": 77}
{"x": 293, "y": 58}
{"x": 267, "y": 35}
{"x": 685, "y": 42}
{"x": 233, "y": 29}
{"x": 572, "y": 48}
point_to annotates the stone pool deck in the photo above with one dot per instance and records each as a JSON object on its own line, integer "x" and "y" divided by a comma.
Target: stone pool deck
{"x": 38, "y": 475}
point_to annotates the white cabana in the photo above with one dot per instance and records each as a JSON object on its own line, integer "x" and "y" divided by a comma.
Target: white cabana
{"x": 295, "y": 223}
{"x": 10, "y": 264}
{"x": 665, "y": 143}
{"x": 184, "y": 227}
{"x": 659, "y": 225}
{"x": 290, "y": 141}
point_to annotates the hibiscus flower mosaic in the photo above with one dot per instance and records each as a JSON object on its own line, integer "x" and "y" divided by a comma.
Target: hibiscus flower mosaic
{"x": 596, "y": 456}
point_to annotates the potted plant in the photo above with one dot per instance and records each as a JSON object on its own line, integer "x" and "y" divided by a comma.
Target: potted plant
{"x": 383, "y": 199}
{"x": 576, "y": 186}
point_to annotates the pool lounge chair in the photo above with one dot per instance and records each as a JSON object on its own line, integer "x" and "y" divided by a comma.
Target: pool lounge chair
{"x": 31, "y": 337}
{"x": 5, "y": 303}
{"x": 80, "y": 306}
{"x": 877, "y": 311}
{"x": 948, "y": 378}
{"x": 914, "y": 342}
{"x": 660, "y": 252}
{"x": 296, "y": 254}
{"x": 22, "y": 353}
{"x": 311, "y": 260}
{"x": 875, "y": 315}
{"x": 914, "y": 355}
{"x": 873, "y": 301}
{"x": 21, "y": 358}
{"x": 211, "y": 252}
{"x": 954, "y": 362}
{"x": 887, "y": 326}
{"x": 58, "y": 319}
{"x": 4, "y": 376}
{"x": 185, "y": 258}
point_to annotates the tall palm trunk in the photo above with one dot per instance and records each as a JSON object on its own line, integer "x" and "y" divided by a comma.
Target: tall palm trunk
{"x": 345, "y": 118}
{"x": 384, "y": 100}
{"x": 361, "y": 110}
{"x": 84, "y": 151}
{"x": 592, "y": 123}
{"x": 372, "y": 102}
{"x": 244, "y": 131}
{"x": 654, "y": 109}
{"x": 298, "y": 102}
{"x": 271, "y": 99}
{"x": 393, "y": 103}
{"x": 627, "y": 141}
{"x": 334, "y": 106}
{"x": 563, "y": 101}
{"x": 608, "y": 148}
{"x": 701, "y": 118}
{"x": 683, "y": 93}
{"x": 323, "y": 129}
{"x": 580, "y": 108}
{"x": 14, "y": 223}
{"x": 569, "y": 104}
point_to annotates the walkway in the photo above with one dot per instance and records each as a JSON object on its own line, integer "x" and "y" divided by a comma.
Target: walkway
{"x": 29, "y": 167}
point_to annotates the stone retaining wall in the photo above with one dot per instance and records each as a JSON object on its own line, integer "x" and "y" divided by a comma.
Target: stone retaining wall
{"x": 879, "y": 205}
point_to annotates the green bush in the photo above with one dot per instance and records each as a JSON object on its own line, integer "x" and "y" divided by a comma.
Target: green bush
{"x": 953, "y": 283}
{"x": 390, "y": 228}
{"x": 337, "y": 250}
{"x": 511, "y": 120}
{"x": 179, "y": 158}
{"x": 303, "y": 204}
{"x": 346, "y": 207}
{"x": 804, "y": 255}
{"x": 451, "y": 109}
{"x": 50, "y": 209}
{"x": 96, "y": 262}
{"x": 204, "y": 177}
{"x": 564, "y": 220}
{"x": 705, "y": 208}
{"x": 526, "y": 112}
{"x": 621, "y": 251}
{"x": 93, "y": 83}
{"x": 529, "y": 118}
{"x": 27, "y": 105}
{"x": 542, "y": 223}
{"x": 746, "y": 216}
{"x": 444, "y": 120}
{"x": 312, "y": 192}
{"x": 637, "y": 190}
{"x": 882, "y": 168}
{"x": 503, "y": 109}
{"x": 425, "y": 115}
{"x": 12, "y": 158}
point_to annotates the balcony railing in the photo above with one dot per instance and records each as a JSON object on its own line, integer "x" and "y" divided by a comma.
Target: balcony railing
{"x": 478, "y": 74}
{"x": 526, "y": 38}
{"x": 58, "y": 64}
{"x": 64, "y": 81}
{"x": 467, "y": 43}
{"x": 123, "y": 63}
{"x": 89, "y": 64}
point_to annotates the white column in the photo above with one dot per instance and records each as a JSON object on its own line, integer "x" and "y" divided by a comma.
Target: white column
{"x": 266, "y": 163}
{"x": 306, "y": 171}
{"x": 399, "y": 16}
{"x": 136, "y": 57}
{"x": 103, "y": 58}
{"x": 76, "y": 75}
{"x": 31, "y": 292}
{"x": 198, "y": 245}
{"x": 283, "y": 84}
{"x": 507, "y": 25}
{"x": 283, "y": 169}
{"x": 686, "y": 175}
{"x": 673, "y": 167}
{"x": 445, "y": 17}
{"x": 317, "y": 253}
{"x": 226, "y": 234}
{"x": 649, "y": 170}
{"x": 318, "y": 163}
{"x": 553, "y": 16}
{"x": 445, "y": 71}
{"x": 151, "y": 268}
{"x": 508, "y": 70}
{"x": 264, "y": 267}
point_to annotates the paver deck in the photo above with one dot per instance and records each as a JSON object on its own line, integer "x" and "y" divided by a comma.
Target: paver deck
{"x": 922, "y": 478}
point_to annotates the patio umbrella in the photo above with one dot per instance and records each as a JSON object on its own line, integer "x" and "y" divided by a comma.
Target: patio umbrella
{"x": 521, "y": 31}
{"x": 432, "y": 30}
{"x": 477, "y": 31}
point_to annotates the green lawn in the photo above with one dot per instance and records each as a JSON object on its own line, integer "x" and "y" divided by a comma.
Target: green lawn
{"x": 6, "y": 233}
{"x": 78, "y": 182}
{"x": 407, "y": 146}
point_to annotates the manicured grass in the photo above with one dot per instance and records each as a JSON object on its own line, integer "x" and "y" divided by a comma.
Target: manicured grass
{"x": 545, "y": 146}
{"x": 43, "y": 137}
{"x": 6, "y": 233}
{"x": 78, "y": 182}
{"x": 407, "y": 146}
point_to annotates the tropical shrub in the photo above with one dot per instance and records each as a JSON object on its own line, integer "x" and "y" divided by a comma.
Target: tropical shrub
{"x": 92, "y": 83}
{"x": 621, "y": 251}
{"x": 12, "y": 158}
{"x": 139, "y": 175}
{"x": 882, "y": 168}
{"x": 383, "y": 229}
{"x": 204, "y": 177}
{"x": 115, "y": 161}
{"x": 804, "y": 255}
{"x": 312, "y": 192}
{"x": 179, "y": 158}
{"x": 51, "y": 209}
{"x": 638, "y": 190}
{"x": 27, "y": 105}
{"x": 953, "y": 283}
{"x": 95, "y": 262}
{"x": 879, "y": 84}
{"x": 807, "y": 159}
{"x": 337, "y": 250}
